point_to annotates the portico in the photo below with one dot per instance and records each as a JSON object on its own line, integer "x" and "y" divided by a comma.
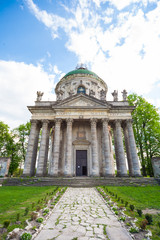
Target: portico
{"x": 81, "y": 131}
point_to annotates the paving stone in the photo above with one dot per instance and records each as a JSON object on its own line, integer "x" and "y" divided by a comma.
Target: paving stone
{"x": 81, "y": 213}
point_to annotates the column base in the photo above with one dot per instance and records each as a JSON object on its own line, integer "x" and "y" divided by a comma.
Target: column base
{"x": 122, "y": 175}
{"x": 109, "y": 175}
{"x": 26, "y": 175}
{"x": 137, "y": 175}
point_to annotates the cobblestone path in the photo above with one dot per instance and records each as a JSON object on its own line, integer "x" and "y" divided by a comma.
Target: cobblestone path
{"x": 81, "y": 214}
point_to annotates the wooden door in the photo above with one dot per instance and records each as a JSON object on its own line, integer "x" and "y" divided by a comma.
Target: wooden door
{"x": 81, "y": 162}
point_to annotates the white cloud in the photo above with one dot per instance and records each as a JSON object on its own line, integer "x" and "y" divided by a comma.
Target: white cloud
{"x": 19, "y": 83}
{"x": 114, "y": 53}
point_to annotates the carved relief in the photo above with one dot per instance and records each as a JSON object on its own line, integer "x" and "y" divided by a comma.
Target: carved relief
{"x": 91, "y": 93}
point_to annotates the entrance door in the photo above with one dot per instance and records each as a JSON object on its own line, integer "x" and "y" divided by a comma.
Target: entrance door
{"x": 81, "y": 162}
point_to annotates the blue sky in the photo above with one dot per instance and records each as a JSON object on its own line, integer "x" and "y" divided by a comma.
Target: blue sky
{"x": 41, "y": 40}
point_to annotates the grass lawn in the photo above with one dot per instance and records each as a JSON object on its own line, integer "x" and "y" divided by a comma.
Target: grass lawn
{"x": 15, "y": 200}
{"x": 142, "y": 198}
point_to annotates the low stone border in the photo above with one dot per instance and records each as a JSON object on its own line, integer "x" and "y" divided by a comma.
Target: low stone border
{"x": 145, "y": 234}
{"x": 17, "y": 232}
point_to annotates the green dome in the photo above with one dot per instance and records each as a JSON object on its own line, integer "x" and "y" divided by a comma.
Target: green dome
{"x": 81, "y": 71}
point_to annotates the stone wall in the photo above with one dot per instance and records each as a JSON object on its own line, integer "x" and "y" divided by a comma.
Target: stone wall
{"x": 156, "y": 166}
{"x": 4, "y": 166}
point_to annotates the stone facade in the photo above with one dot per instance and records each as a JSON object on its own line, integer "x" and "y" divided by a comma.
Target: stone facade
{"x": 78, "y": 131}
{"x": 4, "y": 166}
{"x": 156, "y": 166}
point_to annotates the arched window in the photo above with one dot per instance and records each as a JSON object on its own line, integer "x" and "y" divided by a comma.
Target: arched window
{"x": 81, "y": 89}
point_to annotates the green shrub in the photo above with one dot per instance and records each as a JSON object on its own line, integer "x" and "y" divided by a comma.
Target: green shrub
{"x": 143, "y": 224}
{"x": 46, "y": 210}
{"x": 18, "y": 217}
{"x": 133, "y": 230}
{"x": 114, "y": 209}
{"x": 39, "y": 220}
{"x": 26, "y": 211}
{"x": 126, "y": 203}
{"x": 119, "y": 199}
{"x": 149, "y": 218}
{"x": 158, "y": 224}
{"x": 139, "y": 211}
{"x": 122, "y": 201}
{"x": 6, "y": 223}
{"x": 26, "y": 236}
{"x": 128, "y": 224}
{"x": 38, "y": 208}
{"x": 33, "y": 204}
{"x": 116, "y": 212}
{"x": 34, "y": 215}
{"x": 122, "y": 219}
{"x": 131, "y": 207}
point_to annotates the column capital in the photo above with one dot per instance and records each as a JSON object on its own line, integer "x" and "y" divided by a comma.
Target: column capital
{"x": 105, "y": 120}
{"x": 69, "y": 120}
{"x": 93, "y": 121}
{"x": 34, "y": 121}
{"x": 58, "y": 120}
{"x": 45, "y": 121}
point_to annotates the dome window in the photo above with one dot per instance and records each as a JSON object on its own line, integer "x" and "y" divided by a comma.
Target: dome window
{"x": 81, "y": 89}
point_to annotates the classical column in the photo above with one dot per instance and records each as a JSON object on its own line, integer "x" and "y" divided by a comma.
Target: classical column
{"x": 119, "y": 150}
{"x": 95, "y": 162}
{"x": 56, "y": 149}
{"x": 127, "y": 145}
{"x": 43, "y": 152}
{"x": 68, "y": 155}
{"x": 108, "y": 171}
{"x": 30, "y": 160}
{"x": 133, "y": 150}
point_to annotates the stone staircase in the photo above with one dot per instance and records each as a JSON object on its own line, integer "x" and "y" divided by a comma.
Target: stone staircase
{"x": 80, "y": 181}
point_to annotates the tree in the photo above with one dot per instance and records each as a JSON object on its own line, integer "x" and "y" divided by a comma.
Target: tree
{"x": 146, "y": 126}
{"x": 21, "y": 135}
{"x": 13, "y": 144}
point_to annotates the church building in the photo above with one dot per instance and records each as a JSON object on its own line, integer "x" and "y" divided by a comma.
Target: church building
{"x": 81, "y": 132}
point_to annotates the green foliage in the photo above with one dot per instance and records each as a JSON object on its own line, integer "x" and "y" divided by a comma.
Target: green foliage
{"x": 133, "y": 230}
{"x": 131, "y": 206}
{"x": 139, "y": 211}
{"x": 26, "y": 236}
{"x": 46, "y": 210}
{"x": 26, "y": 211}
{"x": 39, "y": 220}
{"x": 143, "y": 224}
{"x": 146, "y": 126}
{"x": 149, "y": 218}
{"x": 13, "y": 144}
{"x": 18, "y": 217}
{"x": 34, "y": 215}
{"x": 6, "y": 223}
{"x": 122, "y": 219}
{"x": 126, "y": 203}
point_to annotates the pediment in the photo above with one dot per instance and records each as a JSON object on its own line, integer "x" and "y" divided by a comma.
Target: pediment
{"x": 81, "y": 101}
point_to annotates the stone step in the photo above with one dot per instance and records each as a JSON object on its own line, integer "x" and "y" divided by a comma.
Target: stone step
{"x": 80, "y": 182}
